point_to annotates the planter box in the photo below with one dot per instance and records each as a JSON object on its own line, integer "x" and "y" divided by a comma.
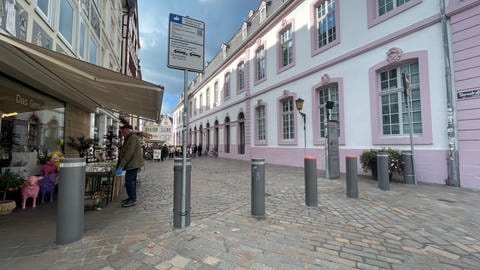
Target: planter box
{"x": 7, "y": 206}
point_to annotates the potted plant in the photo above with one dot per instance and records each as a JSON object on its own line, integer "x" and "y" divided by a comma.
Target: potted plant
{"x": 368, "y": 161}
{"x": 81, "y": 144}
{"x": 8, "y": 181}
{"x": 395, "y": 162}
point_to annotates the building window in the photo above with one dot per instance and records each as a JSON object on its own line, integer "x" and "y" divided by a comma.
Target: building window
{"x": 260, "y": 64}
{"x": 215, "y": 94}
{"x": 286, "y": 45}
{"x": 385, "y": 6}
{"x": 241, "y": 76}
{"x": 191, "y": 109}
{"x": 65, "y": 26}
{"x": 326, "y": 24}
{"x": 329, "y": 93}
{"x": 201, "y": 103}
{"x": 288, "y": 120}
{"x": 45, "y": 7}
{"x": 394, "y": 108}
{"x": 207, "y": 101}
{"x": 195, "y": 106}
{"x": 82, "y": 39}
{"x": 245, "y": 30}
{"x": 388, "y": 109}
{"x": 260, "y": 114}
{"x": 263, "y": 11}
{"x": 226, "y": 86}
{"x": 381, "y": 10}
{"x": 92, "y": 51}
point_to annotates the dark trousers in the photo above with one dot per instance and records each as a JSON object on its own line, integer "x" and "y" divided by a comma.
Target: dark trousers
{"x": 131, "y": 184}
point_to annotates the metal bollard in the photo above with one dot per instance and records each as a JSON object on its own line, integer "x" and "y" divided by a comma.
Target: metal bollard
{"x": 352, "y": 177}
{"x": 178, "y": 214}
{"x": 382, "y": 167}
{"x": 311, "y": 181}
{"x": 408, "y": 173}
{"x": 258, "y": 187}
{"x": 71, "y": 200}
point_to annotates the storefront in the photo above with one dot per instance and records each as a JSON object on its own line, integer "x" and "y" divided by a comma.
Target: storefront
{"x": 47, "y": 97}
{"x": 32, "y": 126}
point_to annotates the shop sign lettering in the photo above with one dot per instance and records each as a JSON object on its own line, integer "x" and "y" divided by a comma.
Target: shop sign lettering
{"x": 473, "y": 93}
{"x": 27, "y": 101}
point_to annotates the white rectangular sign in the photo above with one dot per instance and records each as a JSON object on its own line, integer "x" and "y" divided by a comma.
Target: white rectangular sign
{"x": 186, "y": 40}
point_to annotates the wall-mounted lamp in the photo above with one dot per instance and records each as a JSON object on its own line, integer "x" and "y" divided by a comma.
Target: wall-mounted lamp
{"x": 299, "y": 105}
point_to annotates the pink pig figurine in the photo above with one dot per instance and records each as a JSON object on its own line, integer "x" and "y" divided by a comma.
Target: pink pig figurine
{"x": 30, "y": 189}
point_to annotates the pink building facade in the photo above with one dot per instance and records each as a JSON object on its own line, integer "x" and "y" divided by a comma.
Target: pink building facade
{"x": 465, "y": 42}
{"x": 352, "y": 53}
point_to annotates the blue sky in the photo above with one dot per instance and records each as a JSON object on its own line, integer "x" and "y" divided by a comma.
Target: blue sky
{"x": 222, "y": 19}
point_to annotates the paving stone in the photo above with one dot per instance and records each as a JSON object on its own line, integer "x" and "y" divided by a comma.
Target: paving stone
{"x": 405, "y": 228}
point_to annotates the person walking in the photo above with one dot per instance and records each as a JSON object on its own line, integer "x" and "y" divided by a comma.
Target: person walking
{"x": 199, "y": 149}
{"x": 130, "y": 160}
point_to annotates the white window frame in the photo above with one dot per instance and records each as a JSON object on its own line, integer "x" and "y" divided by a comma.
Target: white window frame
{"x": 73, "y": 22}
{"x": 392, "y": 98}
{"x": 324, "y": 12}
{"x": 286, "y": 43}
{"x": 260, "y": 64}
{"x": 227, "y": 85}
{"x": 241, "y": 76}
{"x": 48, "y": 16}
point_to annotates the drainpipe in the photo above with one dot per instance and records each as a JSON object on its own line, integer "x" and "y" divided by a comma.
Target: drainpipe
{"x": 125, "y": 56}
{"x": 452, "y": 158}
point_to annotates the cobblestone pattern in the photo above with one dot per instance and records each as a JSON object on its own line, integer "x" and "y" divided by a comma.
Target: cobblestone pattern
{"x": 408, "y": 227}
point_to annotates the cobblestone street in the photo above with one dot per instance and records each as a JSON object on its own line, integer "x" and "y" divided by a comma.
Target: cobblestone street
{"x": 408, "y": 227}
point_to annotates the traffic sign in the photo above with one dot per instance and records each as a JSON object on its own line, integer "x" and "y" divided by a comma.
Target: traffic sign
{"x": 186, "y": 40}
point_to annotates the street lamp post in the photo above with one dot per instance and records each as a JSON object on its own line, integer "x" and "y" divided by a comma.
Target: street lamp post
{"x": 299, "y": 105}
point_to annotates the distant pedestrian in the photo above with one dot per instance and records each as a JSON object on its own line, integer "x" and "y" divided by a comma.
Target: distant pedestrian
{"x": 199, "y": 149}
{"x": 130, "y": 160}
{"x": 164, "y": 152}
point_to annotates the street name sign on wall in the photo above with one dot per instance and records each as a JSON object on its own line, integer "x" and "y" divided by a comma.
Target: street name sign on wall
{"x": 186, "y": 40}
{"x": 466, "y": 94}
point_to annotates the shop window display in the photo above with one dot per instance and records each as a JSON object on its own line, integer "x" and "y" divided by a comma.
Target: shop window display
{"x": 32, "y": 127}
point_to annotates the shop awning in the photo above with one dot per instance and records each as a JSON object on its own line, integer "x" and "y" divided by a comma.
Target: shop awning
{"x": 74, "y": 81}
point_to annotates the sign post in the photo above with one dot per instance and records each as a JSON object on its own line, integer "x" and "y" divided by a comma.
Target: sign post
{"x": 186, "y": 50}
{"x": 407, "y": 93}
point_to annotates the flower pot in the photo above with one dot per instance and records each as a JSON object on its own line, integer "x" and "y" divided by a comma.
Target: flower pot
{"x": 7, "y": 206}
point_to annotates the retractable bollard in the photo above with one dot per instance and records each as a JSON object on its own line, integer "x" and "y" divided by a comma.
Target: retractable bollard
{"x": 382, "y": 170}
{"x": 178, "y": 213}
{"x": 352, "y": 177}
{"x": 258, "y": 187}
{"x": 71, "y": 200}
{"x": 408, "y": 173}
{"x": 311, "y": 181}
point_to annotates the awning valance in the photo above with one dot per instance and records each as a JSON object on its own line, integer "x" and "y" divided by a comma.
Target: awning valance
{"x": 78, "y": 82}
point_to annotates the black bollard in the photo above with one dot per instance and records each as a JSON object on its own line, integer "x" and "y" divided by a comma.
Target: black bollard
{"x": 311, "y": 181}
{"x": 382, "y": 170}
{"x": 71, "y": 200}
{"x": 352, "y": 177}
{"x": 258, "y": 187}
{"x": 178, "y": 213}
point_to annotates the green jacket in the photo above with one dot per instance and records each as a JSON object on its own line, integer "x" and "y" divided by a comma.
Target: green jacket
{"x": 131, "y": 156}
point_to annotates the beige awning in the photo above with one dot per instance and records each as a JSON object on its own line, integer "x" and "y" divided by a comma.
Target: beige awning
{"x": 78, "y": 82}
